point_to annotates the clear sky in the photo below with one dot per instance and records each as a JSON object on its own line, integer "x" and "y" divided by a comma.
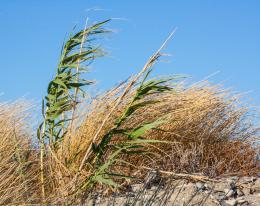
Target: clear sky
{"x": 212, "y": 36}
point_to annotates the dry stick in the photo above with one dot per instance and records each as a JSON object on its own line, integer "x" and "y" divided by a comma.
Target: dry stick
{"x": 148, "y": 64}
{"x": 76, "y": 89}
{"x": 41, "y": 161}
{"x": 77, "y": 77}
{"x": 183, "y": 175}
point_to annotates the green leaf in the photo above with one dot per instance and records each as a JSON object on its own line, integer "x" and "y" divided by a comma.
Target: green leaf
{"x": 132, "y": 108}
{"x": 59, "y": 82}
{"x": 77, "y": 53}
{"x": 39, "y": 130}
{"x": 60, "y": 122}
{"x": 78, "y": 56}
{"x": 43, "y": 110}
{"x": 109, "y": 161}
{"x": 120, "y": 175}
{"x": 145, "y": 141}
{"x": 107, "y": 181}
{"x": 79, "y": 84}
{"x": 139, "y": 131}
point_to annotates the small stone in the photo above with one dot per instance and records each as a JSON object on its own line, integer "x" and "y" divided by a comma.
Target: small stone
{"x": 128, "y": 188}
{"x": 208, "y": 192}
{"x": 136, "y": 187}
{"x": 234, "y": 178}
{"x": 219, "y": 195}
{"x": 253, "y": 199}
{"x": 229, "y": 193}
{"x": 189, "y": 186}
{"x": 241, "y": 201}
{"x": 233, "y": 186}
{"x": 247, "y": 180}
{"x": 220, "y": 186}
{"x": 232, "y": 202}
{"x": 208, "y": 187}
{"x": 257, "y": 180}
{"x": 200, "y": 186}
{"x": 240, "y": 193}
{"x": 247, "y": 191}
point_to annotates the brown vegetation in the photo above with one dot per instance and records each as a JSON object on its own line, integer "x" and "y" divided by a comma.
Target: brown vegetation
{"x": 210, "y": 133}
{"x": 18, "y": 160}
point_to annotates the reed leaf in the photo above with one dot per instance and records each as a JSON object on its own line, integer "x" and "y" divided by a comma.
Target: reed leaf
{"x": 61, "y": 97}
{"x": 133, "y": 136}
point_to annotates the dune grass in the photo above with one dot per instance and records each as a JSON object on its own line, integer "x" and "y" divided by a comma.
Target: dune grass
{"x": 117, "y": 137}
{"x": 18, "y": 156}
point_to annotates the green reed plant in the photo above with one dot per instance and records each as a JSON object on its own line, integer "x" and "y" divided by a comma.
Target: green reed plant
{"x": 104, "y": 154}
{"x": 133, "y": 137}
{"x": 58, "y": 108}
{"x": 61, "y": 97}
{"x": 63, "y": 90}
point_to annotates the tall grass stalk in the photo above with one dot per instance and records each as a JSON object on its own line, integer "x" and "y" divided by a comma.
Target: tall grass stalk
{"x": 134, "y": 136}
{"x": 42, "y": 149}
{"x": 60, "y": 100}
{"x": 76, "y": 90}
{"x": 148, "y": 65}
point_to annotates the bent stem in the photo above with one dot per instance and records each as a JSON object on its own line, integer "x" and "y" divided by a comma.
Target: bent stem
{"x": 148, "y": 64}
{"x": 76, "y": 90}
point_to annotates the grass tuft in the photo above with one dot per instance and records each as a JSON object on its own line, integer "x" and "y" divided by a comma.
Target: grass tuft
{"x": 18, "y": 157}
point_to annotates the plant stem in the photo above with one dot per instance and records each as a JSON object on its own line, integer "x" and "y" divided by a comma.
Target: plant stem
{"x": 148, "y": 64}
{"x": 42, "y": 161}
{"x": 77, "y": 76}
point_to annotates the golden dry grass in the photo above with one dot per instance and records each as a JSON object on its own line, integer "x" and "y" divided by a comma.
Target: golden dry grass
{"x": 210, "y": 131}
{"x": 18, "y": 161}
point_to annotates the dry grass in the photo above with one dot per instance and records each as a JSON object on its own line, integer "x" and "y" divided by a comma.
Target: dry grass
{"x": 212, "y": 133}
{"x": 18, "y": 162}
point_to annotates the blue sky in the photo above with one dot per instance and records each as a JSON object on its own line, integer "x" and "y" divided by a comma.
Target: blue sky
{"x": 212, "y": 36}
